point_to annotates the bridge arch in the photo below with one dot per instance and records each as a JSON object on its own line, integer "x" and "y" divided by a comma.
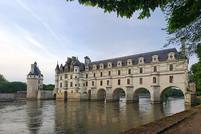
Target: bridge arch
{"x": 101, "y": 94}
{"x": 141, "y": 92}
{"x": 118, "y": 93}
{"x": 171, "y": 91}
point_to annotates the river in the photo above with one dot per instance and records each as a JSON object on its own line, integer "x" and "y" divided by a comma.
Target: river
{"x": 50, "y": 117}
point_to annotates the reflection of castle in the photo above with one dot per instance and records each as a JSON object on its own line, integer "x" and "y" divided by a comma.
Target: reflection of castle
{"x": 113, "y": 78}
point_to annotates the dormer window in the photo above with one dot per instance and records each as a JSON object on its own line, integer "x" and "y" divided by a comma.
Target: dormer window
{"x": 141, "y": 60}
{"x": 109, "y": 65}
{"x": 101, "y": 66}
{"x": 155, "y": 58}
{"x": 171, "y": 56}
{"x": 94, "y": 67}
{"x": 119, "y": 64}
{"x": 129, "y": 62}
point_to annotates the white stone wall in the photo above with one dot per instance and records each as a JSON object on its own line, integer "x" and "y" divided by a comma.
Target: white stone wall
{"x": 179, "y": 74}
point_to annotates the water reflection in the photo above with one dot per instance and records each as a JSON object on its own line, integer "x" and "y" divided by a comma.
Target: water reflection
{"x": 82, "y": 117}
{"x": 34, "y": 118}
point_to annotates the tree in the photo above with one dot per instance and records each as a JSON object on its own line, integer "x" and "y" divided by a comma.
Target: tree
{"x": 2, "y": 78}
{"x": 196, "y": 71}
{"x": 183, "y": 16}
{"x": 48, "y": 87}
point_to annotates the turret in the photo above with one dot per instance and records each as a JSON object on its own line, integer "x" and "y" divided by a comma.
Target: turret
{"x": 34, "y": 82}
{"x": 57, "y": 70}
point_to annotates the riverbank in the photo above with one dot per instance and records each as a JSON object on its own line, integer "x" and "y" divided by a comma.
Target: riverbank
{"x": 186, "y": 122}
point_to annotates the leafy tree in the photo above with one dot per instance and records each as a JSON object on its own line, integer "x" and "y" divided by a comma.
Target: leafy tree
{"x": 2, "y": 79}
{"x": 183, "y": 16}
{"x": 13, "y": 87}
{"x": 196, "y": 71}
{"x": 48, "y": 87}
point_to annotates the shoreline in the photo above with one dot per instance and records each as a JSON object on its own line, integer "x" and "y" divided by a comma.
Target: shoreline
{"x": 166, "y": 123}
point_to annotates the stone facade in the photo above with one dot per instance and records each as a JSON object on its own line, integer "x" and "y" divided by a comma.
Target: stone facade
{"x": 34, "y": 82}
{"x": 113, "y": 79}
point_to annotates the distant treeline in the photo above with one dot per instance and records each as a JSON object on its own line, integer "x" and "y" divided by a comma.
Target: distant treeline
{"x": 13, "y": 87}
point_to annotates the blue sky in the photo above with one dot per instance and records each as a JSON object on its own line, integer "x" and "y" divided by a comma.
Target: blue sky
{"x": 49, "y": 30}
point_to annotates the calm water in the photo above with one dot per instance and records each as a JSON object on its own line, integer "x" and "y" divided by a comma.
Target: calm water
{"x": 46, "y": 117}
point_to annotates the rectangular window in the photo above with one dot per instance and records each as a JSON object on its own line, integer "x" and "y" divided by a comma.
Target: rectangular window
{"x": 101, "y": 74}
{"x": 101, "y": 82}
{"x": 71, "y": 84}
{"x": 60, "y": 77}
{"x": 86, "y": 75}
{"x": 129, "y": 71}
{"x": 94, "y": 74}
{"x": 141, "y": 70}
{"x": 108, "y": 82}
{"x": 141, "y": 81}
{"x": 119, "y": 72}
{"x": 86, "y": 84}
{"x": 66, "y": 76}
{"x": 71, "y": 76}
{"x": 170, "y": 67}
{"x": 109, "y": 73}
{"x": 154, "y": 79}
{"x": 60, "y": 85}
{"x": 92, "y": 83}
{"x": 171, "y": 79}
{"x": 128, "y": 81}
{"x": 119, "y": 82}
{"x": 155, "y": 68}
{"x": 66, "y": 84}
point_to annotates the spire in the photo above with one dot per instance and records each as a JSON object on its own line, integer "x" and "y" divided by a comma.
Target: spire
{"x": 57, "y": 67}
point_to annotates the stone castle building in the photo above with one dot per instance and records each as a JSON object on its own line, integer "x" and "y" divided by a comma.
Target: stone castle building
{"x": 34, "y": 82}
{"x": 126, "y": 77}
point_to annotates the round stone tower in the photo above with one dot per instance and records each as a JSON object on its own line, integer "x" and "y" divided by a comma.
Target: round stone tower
{"x": 34, "y": 82}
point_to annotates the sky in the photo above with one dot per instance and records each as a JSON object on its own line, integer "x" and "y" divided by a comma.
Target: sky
{"x": 47, "y": 31}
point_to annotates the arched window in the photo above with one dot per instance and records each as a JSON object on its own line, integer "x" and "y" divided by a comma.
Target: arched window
{"x": 109, "y": 65}
{"x": 154, "y": 79}
{"x": 141, "y": 60}
{"x": 171, "y": 56}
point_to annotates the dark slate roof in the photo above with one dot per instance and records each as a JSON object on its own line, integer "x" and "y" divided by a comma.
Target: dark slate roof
{"x": 36, "y": 70}
{"x": 162, "y": 56}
